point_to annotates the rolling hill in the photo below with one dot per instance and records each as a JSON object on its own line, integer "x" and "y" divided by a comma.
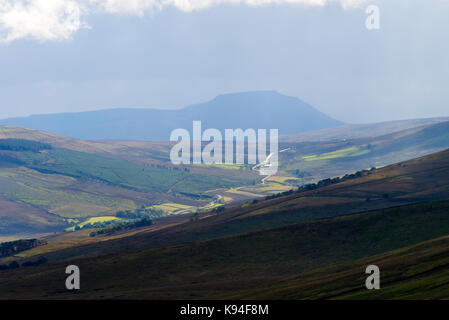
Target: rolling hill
{"x": 316, "y": 160}
{"x": 301, "y": 245}
{"x": 81, "y": 179}
{"x": 261, "y": 109}
{"x": 416, "y": 272}
{"x": 357, "y": 131}
{"x": 419, "y": 180}
{"x": 45, "y": 188}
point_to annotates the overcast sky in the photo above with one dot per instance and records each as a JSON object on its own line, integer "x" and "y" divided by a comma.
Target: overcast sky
{"x": 77, "y": 55}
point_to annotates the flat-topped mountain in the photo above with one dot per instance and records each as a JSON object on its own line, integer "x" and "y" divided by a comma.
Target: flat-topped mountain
{"x": 258, "y": 110}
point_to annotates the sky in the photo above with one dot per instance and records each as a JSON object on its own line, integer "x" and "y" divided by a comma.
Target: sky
{"x": 79, "y": 55}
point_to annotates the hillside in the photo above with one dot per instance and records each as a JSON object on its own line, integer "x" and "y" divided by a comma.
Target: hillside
{"x": 416, "y": 272}
{"x": 261, "y": 109}
{"x": 44, "y": 188}
{"x": 312, "y": 161}
{"x": 268, "y": 264}
{"x": 81, "y": 179}
{"x": 420, "y": 180}
{"x": 358, "y": 131}
{"x": 267, "y": 249}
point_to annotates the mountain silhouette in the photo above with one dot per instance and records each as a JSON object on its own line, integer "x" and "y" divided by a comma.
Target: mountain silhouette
{"x": 257, "y": 110}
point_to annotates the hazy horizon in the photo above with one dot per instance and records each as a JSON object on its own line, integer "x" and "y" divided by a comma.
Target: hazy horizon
{"x": 201, "y": 102}
{"x": 122, "y": 54}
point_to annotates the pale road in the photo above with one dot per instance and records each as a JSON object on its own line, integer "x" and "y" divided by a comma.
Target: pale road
{"x": 266, "y": 162}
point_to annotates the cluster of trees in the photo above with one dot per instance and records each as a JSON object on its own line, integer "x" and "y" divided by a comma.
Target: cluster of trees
{"x": 13, "y": 247}
{"x": 323, "y": 183}
{"x": 23, "y": 145}
{"x": 195, "y": 217}
{"x": 302, "y": 174}
{"x": 277, "y": 195}
{"x": 96, "y": 225}
{"x": 123, "y": 226}
{"x": 181, "y": 169}
{"x": 15, "y": 264}
{"x": 197, "y": 196}
{"x": 330, "y": 181}
{"x": 140, "y": 213}
{"x": 218, "y": 209}
{"x": 160, "y": 166}
{"x": 39, "y": 261}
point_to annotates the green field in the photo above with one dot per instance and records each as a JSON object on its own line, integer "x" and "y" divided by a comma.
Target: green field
{"x": 313, "y": 161}
{"x": 172, "y": 207}
{"x": 51, "y": 191}
{"x": 72, "y": 184}
{"x": 342, "y": 153}
{"x": 223, "y": 166}
{"x": 122, "y": 173}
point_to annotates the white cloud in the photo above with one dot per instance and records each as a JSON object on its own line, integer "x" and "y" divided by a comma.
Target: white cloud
{"x": 39, "y": 19}
{"x": 141, "y": 6}
{"x": 45, "y": 20}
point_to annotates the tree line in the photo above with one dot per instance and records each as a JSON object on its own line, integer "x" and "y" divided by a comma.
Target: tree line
{"x": 23, "y": 145}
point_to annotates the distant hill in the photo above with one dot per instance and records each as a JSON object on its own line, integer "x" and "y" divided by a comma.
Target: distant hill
{"x": 356, "y": 131}
{"x": 316, "y": 160}
{"x": 96, "y": 178}
{"x": 258, "y": 110}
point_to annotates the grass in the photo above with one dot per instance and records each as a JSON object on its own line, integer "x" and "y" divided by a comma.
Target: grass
{"x": 222, "y": 166}
{"x": 56, "y": 179}
{"x": 304, "y": 204}
{"x": 260, "y": 264}
{"x": 248, "y": 252}
{"x": 98, "y": 219}
{"x": 269, "y": 188}
{"x": 72, "y": 184}
{"x": 354, "y": 151}
{"x": 227, "y": 199}
{"x": 125, "y": 173}
{"x": 412, "y": 273}
{"x": 54, "y": 193}
{"x": 283, "y": 179}
{"x": 91, "y": 220}
{"x": 244, "y": 193}
{"x": 171, "y": 207}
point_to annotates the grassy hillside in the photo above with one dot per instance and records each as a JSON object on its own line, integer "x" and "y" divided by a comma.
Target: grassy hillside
{"x": 55, "y": 185}
{"x": 313, "y": 161}
{"x": 358, "y": 131}
{"x": 123, "y": 173}
{"x": 420, "y": 180}
{"x": 245, "y": 265}
{"x": 261, "y": 250}
{"x": 306, "y": 162}
{"x": 417, "y": 272}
